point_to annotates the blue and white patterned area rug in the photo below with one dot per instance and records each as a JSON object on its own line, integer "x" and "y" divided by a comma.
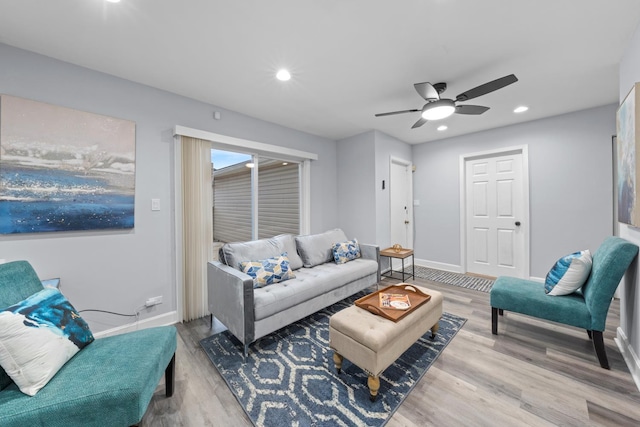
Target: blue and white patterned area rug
{"x": 456, "y": 279}
{"x": 290, "y": 379}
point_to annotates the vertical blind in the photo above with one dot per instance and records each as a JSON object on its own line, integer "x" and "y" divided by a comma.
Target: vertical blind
{"x": 278, "y": 200}
{"x": 232, "y": 206}
{"x": 197, "y": 230}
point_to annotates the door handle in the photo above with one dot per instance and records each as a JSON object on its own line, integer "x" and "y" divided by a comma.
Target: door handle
{"x": 406, "y": 222}
{"x": 517, "y": 223}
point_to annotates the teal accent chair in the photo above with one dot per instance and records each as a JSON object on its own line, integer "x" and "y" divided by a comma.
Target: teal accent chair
{"x": 108, "y": 383}
{"x": 587, "y": 308}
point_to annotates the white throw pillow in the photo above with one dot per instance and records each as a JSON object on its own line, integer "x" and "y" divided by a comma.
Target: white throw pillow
{"x": 568, "y": 274}
{"x": 38, "y": 336}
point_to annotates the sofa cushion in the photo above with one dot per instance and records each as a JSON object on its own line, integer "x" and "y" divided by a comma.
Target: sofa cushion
{"x": 237, "y": 252}
{"x": 568, "y": 274}
{"x": 308, "y": 284}
{"x": 316, "y": 249}
{"x": 346, "y": 251}
{"x": 287, "y": 243}
{"x": 268, "y": 271}
{"x": 38, "y": 336}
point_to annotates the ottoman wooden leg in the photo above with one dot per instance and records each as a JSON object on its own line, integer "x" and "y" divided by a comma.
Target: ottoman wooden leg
{"x": 434, "y": 329}
{"x": 337, "y": 359}
{"x": 374, "y": 386}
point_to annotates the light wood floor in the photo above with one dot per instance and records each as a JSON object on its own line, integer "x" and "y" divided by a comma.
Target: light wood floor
{"x": 534, "y": 373}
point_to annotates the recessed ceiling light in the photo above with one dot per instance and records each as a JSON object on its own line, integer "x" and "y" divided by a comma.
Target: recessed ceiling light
{"x": 521, "y": 109}
{"x": 442, "y": 127}
{"x": 250, "y": 165}
{"x": 113, "y": 1}
{"x": 283, "y": 75}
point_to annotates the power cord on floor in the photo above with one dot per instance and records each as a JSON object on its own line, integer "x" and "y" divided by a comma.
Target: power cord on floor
{"x": 136, "y": 315}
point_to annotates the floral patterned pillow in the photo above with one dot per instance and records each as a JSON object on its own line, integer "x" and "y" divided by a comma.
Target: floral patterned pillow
{"x": 268, "y": 271}
{"x": 346, "y": 251}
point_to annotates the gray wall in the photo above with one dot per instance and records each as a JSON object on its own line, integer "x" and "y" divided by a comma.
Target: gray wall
{"x": 356, "y": 197}
{"x": 570, "y": 185}
{"x": 629, "y": 332}
{"x": 118, "y": 271}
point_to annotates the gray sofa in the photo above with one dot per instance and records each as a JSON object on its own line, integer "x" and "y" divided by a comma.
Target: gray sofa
{"x": 250, "y": 313}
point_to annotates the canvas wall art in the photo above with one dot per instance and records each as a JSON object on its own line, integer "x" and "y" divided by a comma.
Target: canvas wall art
{"x": 628, "y": 138}
{"x": 63, "y": 169}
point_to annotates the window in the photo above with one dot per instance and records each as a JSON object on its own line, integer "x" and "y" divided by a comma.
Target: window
{"x": 254, "y": 197}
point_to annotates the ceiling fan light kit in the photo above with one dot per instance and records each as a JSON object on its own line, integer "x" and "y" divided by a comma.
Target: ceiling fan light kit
{"x": 438, "y": 108}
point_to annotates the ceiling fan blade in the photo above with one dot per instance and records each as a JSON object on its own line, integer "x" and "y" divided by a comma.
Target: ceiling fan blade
{"x": 471, "y": 109}
{"x": 396, "y": 112}
{"x": 419, "y": 123}
{"x": 427, "y": 91}
{"x": 487, "y": 88}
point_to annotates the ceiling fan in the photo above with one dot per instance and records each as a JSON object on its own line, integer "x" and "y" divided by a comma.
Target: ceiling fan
{"x": 438, "y": 108}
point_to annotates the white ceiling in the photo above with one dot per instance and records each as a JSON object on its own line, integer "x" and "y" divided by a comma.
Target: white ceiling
{"x": 349, "y": 59}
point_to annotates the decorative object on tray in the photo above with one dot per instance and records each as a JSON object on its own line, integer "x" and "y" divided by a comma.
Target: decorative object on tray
{"x": 397, "y": 247}
{"x": 372, "y": 302}
{"x": 394, "y": 301}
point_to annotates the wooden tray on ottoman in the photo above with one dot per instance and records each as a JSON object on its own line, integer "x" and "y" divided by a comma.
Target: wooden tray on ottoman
{"x": 371, "y": 302}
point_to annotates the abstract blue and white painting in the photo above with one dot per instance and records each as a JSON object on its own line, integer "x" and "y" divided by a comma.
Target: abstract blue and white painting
{"x": 63, "y": 169}
{"x": 627, "y": 143}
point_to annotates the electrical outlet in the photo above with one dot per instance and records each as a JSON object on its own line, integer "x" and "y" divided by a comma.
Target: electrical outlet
{"x": 153, "y": 301}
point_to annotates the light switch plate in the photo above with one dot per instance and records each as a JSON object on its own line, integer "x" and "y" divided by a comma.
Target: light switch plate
{"x": 155, "y": 204}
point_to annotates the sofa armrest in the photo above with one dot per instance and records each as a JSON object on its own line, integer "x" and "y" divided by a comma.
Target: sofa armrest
{"x": 231, "y": 300}
{"x": 371, "y": 252}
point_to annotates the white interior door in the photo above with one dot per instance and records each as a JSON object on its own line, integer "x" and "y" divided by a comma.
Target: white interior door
{"x": 495, "y": 211}
{"x": 400, "y": 200}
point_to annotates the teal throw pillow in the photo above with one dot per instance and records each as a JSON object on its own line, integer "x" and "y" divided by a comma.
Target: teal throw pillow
{"x": 346, "y": 251}
{"x": 38, "y": 336}
{"x": 268, "y": 271}
{"x": 568, "y": 274}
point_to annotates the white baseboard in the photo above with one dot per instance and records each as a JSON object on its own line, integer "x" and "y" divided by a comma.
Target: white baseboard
{"x": 439, "y": 265}
{"x": 170, "y": 318}
{"x": 630, "y": 356}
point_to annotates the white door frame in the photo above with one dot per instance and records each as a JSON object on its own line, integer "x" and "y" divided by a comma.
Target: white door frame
{"x": 408, "y": 165}
{"x": 525, "y": 227}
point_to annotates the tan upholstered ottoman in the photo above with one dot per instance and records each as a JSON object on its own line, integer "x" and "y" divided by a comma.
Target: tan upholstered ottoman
{"x": 373, "y": 343}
